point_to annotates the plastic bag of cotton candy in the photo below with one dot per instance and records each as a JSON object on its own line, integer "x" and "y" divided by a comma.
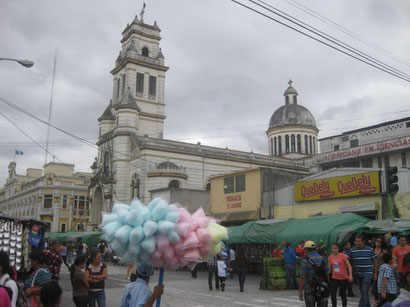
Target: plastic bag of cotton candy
{"x": 165, "y": 235}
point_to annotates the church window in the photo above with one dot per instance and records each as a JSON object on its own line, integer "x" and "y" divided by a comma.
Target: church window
{"x": 240, "y": 183}
{"x": 123, "y": 84}
{"x": 287, "y": 143}
{"x": 275, "y": 146}
{"x": 299, "y": 144}
{"x": 287, "y": 100}
{"x": 173, "y": 184}
{"x": 314, "y": 145}
{"x": 271, "y": 147}
{"x": 279, "y": 145}
{"x": 140, "y": 83}
{"x": 295, "y": 99}
{"x": 152, "y": 85}
{"x": 310, "y": 144}
{"x": 306, "y": 145}
{"x": 145, "y": 51}
{"x": 292, "y": 143}
{"x": 228, "y": 185}
{"x": 118, "y": 87}
{"x": 208, "y": 186}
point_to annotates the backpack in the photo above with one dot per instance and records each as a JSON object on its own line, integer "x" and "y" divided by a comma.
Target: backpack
{"x": 21, "y": 297}
{"x": 319, "y": 284}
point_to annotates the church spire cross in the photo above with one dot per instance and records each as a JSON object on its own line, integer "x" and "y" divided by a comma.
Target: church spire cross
{"x": 290, "y": 83}
{"x": 142, "y": 12}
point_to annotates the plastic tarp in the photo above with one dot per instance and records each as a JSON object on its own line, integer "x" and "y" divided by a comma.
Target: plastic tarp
{"x": 329, "y": 228}
{"x": 89, "y": 238}
{"x": 385, "y": 226}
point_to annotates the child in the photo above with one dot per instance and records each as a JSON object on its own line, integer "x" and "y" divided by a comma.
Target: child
{"x": 386, "y": 283}
{"x": 221, "y": 272}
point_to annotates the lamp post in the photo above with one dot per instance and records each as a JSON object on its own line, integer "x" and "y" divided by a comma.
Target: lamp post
{"x": 25, "y": 63}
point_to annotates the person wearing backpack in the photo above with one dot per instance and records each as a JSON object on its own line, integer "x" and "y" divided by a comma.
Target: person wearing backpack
{"x": 5, "y": 279}
{"x": 313, "y": 278}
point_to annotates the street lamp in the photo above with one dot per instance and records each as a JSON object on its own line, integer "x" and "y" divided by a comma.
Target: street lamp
{"x": 25, "y": 63}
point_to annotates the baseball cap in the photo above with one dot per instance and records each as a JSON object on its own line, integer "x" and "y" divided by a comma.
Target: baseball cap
{"x": 144, "y": 269}
{"x": 310, "y": 244}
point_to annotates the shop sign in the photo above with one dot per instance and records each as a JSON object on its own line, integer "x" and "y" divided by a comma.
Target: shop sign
{"x": 234, "y": 201}
{"x": 336, "y": 187}
{"x": 357, "y": 207}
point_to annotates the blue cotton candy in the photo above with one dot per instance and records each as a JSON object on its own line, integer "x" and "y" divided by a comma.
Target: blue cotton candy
{"x": 128, "y": 257}
{"x": 136, "y": 204}
{"x": 118, "y": 248}
{"x": 108, "y": 218}
{"x": 173, "y": 237}
{"x": 136, "y": 235}
{"x": 154, "y": 203}
{"x": 160, "y": 211}
{"x": 165, "y": 227}
{"x": 146, "y": 214}
{"x": 134, "y": 249}
{"x": 122, "y": 215}
{"x": 172, "y": 217}
{"x": 122, "y": 235}
{"x": 110, "y": 229}
{"x": 171, "y": 208}
{"x": 144, "y": 257}
{"x": 134, "y": 218}
{"x": 119, "y": 206}
{"x": 150, "y": 228}
{"x": 148, "y": 244}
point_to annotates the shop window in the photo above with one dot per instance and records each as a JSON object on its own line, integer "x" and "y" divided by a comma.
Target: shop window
{"x": 140, "y": 83}
{"x": 403, "y": 159}
{"x": 336, "y": 147}
{"x": 367, "y": 163}
{"x": 228, "y": 185}
{"x": 240, "y": 185}
{"x": 354, "y": 143}
{"x": 48, "y": 201}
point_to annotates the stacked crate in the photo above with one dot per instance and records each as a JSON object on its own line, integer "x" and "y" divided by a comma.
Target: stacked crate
{"x": 274, "y": 274}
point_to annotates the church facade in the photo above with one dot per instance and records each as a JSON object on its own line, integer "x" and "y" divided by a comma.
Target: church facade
{"x": 133, "y": 158}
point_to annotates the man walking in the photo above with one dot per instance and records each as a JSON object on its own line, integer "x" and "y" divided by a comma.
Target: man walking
{"x": 307, "y": 274}
{"x": 290, "y": 267}
{"x": 399, "y": 252}
{"x": 365, "y": 268}
{"x": 212, "y": 266}
{"x": 53, "y": 257}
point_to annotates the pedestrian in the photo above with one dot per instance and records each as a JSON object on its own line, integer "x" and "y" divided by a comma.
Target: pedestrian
{"x": 277, "y": 253}
{"x": 80, "y": 246}
{"x": 404, "y": 295}
{"x": 132, "y": 272}
{"x": 4, "y": 298}
{"x": 221, "y": 272}
{"x": 39, "y": 277}
{"x": 341, "y": 274}
{"x": 138, "y": 293}
{"x": 50, "y": 295}
{"x": 321, "y": 248}
{"x": 53, "y": 258}
{"x": 96, "y": 273}
{"x": 308, "y": 274}
{"x": 290, "y": 267}
{"x": 386, "y": 283}
{"x": 194, "y": 271}
{"x": 212, "y": 271}
{"x": 347, "y": 246}
{"x": 241, "y": 267}
{"x": 70, "y": 252}
{"x": 63, "y": 254}
{"x": 379, "y": 252}
{"x": 5, "y": 276}
{"x": 300, "y": 250}
{"x": 365, "y": 268}
{"x": 232, "y": 260}
{"x": 79, "y": 282}
{"x": 399, "y": 252}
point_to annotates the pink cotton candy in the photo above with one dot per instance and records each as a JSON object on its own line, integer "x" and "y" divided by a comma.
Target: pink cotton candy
{"x": 156, "y": 254}
{"x": 174, "y": 261}
{"x": 204, "y": 236}
{"x": 168, "y": 253}
{"x": 182, "y": 261}
{"x": 183, "y": 229}
{"x": 184, "y": 216}
{"x": 205, "y": 251}
{"x": 192, "y": 255}
{"x": 199, "y": 213}
{"x": 191, "y": 241}
{"x": 158, "y": 263}
{"x": 162, "y": 242}
{"x": 179, "y": 248}
{"x": 200, "y": 222}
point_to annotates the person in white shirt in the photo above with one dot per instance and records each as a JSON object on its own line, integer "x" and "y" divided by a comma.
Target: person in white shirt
{"x": 5, "y": 279}
{"x": 221, "y": 272}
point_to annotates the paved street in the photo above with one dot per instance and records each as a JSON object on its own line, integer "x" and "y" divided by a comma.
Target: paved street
{"x": 182, "y": 291}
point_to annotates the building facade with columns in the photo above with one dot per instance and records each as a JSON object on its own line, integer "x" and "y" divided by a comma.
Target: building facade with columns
{"x": 133, "y": 158}
{"x": 56, "y": 195}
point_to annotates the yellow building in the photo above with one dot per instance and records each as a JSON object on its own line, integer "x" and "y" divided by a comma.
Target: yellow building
{"x": 56, "y": 195}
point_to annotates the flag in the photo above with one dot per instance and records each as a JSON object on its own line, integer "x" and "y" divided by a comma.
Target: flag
{"x": 19, "y": 152}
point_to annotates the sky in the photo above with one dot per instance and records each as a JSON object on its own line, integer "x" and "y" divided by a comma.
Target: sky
{"x": 228, "y": 69}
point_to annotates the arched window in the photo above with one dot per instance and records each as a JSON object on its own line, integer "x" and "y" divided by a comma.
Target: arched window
{"x": 314, "y": 145}
{"x": 145, "y": 51}
{"x": 306, "y": 145}
{"x": 299, "y": 143}
{"x": 295, "y": 99}
{"x": 208, "y": 186}
{"x": 287, "y": 143}
{"x": 275, "y": 151}
{"x": 310, "y": 144}
{"x": 271, "y": 147}
{"x": 173, "y": 184}
{"x": 292, "y": 143}
{"x": 280, "y": 144}
{"x": 287, "y": 100}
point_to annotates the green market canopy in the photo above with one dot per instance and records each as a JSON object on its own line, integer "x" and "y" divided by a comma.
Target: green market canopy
{"x": 89, "y": 238}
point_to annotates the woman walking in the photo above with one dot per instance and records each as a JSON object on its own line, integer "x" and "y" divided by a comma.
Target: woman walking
{"x": 79, "y": 282}
{"x": 241, "y": 267}
{"x": 96, "y": 273}
{"x": 340, "y": 271}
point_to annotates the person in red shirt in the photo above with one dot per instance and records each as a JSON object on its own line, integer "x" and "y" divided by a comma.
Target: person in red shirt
{"x": 399, "y": 252}
{"x": 277, "y": 253}
{"x": 300, "y": 249}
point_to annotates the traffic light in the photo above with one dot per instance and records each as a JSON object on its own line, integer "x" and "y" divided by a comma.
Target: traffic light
{"x": 391, "y": 180}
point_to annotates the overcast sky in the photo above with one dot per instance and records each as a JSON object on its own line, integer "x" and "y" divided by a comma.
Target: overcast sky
{"x": 228, "y": 70}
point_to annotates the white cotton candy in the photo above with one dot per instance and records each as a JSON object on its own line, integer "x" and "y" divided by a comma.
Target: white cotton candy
{"x": 136, "y": 235}
{"x": 110, "y": 229}
{"x": 172, "y": 217}
{"x": 122, "y": 235}
{"x": 150, "y": 228}
{"x": 160, "y": 211}
{"x": 174, "y": 237}
{"x": 119, "y": 206}
{"x": 122, "y": 215}
{"x": 165, "y": 227}
{"x": 108, "y": 218}
{"x": 134, "y": 218}
{"x": 148, "y": 244}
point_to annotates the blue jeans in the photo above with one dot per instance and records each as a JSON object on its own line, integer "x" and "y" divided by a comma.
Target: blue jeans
{"x": 291, "y": 283}
{"x": 241, "y": 276}
{"x": 96, "y": 295}
{"x": 310, "y": 301}
{"x": 364, "y": 283}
